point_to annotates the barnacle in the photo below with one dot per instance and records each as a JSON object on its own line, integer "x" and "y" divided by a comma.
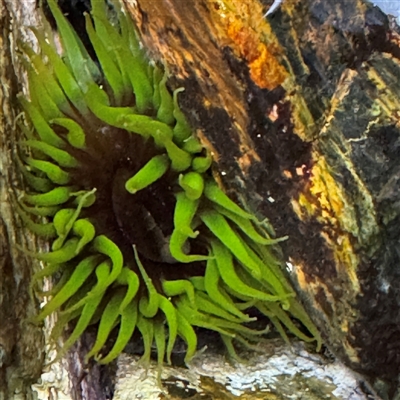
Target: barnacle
{"x": 142, "y": 237}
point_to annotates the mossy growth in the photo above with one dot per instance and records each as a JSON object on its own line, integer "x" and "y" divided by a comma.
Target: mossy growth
{"x": 142, "y": 237}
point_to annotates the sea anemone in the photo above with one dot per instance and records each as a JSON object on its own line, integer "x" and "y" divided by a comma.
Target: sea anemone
{"x": 142, "y": 237}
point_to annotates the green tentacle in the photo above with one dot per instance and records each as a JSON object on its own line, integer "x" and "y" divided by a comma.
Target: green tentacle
{"x": 76, "y": 280}
{"x": 221, "y": 229}
{"x": 128, "y": 324}
{"x": 179, "y": 286}
{"x": 76, "y": 135}
{"x": 108, "y": 319}
{"x": 146, "y": 328}
{"x": 193, "y": 184}
{"x": 147, "y": 306}
{"x": 211, "y": 285}
{"x": 170, "y": 314}
{"x": 148, "y": 174}
{"x": 216, "y": 195}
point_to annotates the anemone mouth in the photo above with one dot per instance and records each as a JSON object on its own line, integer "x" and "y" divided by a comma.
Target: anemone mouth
{"x": 142, "y": 236}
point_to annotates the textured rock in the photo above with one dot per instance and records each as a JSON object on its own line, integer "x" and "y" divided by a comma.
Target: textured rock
{"x": 278, "y": 372}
